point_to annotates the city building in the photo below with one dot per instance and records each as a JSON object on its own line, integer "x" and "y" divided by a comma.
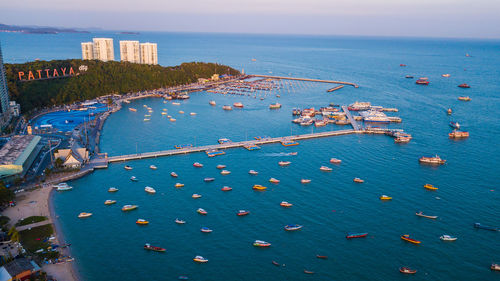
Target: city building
{"x": 4, "y": 94}
{"x": 129, "y": 51}
{"x": 103, "y": 49}
{"x": 19, "y": 269}
{"x": 17, "y": 156}
{"x": 15, "y": 108}
{"x": 149, "y": 53}
{"x": 87, "y": 51}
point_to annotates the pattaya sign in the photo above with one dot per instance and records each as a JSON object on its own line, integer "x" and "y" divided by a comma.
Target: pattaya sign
{"x": 42, "y": 74}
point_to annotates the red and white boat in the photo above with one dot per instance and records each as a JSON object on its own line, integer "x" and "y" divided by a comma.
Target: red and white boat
{"x": 335, "y": 161}
{"x": 197, "y": 165}
{"x": 238, "y": 104}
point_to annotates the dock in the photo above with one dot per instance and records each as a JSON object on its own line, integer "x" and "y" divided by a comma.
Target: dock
{"x": 306, "y": 79}
{"x": 354, "y": 123}
{"x": 335, "y": 88}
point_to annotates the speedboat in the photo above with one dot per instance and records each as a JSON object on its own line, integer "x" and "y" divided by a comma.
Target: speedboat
{"x": 133, "y": 178}
{"x": 445, "y": 237}
{"x": 205, "y": 229}
{"x": 179, "y": 184}
{"x": 153, "y": 167}
{"x": 481, "y": 226}
{"x": 242, "y": 213}
{"x": 153, "y": 248}
{"x": 292, "y": 227}
{"x": 407, "y": 238}
{"x": 149, "y": 189}
{"x": 238, "y": 104}
{"x": 495, "y": 266}
{"x": 356, "y": 235}
{"x": 112, "y": 189}
{"x": 178, "y": 221}
{"x": 385, "y": 197}
{"x": 253, "y": 172}
{"x": 325, "y": 169}
{"x": 127, "y": 167}
{"x": 304, "y": 181}
{"x": 449, "y": 111}
{"x": 197, "y": 165}
{"x": 358, "y": 180}
{"x": 421, "y": 214}
{"x": 200, "y": 259}
{"x": 84, "y": 215}
{"x": 407, "y": 270}
{"x": 284, "y": 163}
{"x": 220, "y": 166}
{"x": 446, "y": 75}
{"x": 286, "y": 204}
{"x": 173, "y": 174}
{"x": 273, "y": 180}
{"x": 259, "y": 187}
{"x": 430, "y": 187}
{"x": 109, "y": 202}
{"x": 227, "y": 107}
{"x": 63, "y": 187}
{"x": 212, "y": 102}
{"x": 274, "y": 106}
{"x": 142, "y": 221}
{"x": 454, "y": 125}
{"x": 335, "y": 161}
{"x": 201, "y": 211}
{"x": 225, "y": 172}
{"x": 464, "y": 85}
{"x": 436, "y": 160}
{"x": 467, "y": 98}
{"x": 196, "y": 196}
{"x": 226, "y": 188}
{"x": 129, "y": 208}
{"x": 208, "y": 179}
{"x": 260, "y": 243}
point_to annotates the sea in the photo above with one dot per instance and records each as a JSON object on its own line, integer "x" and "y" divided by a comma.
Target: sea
{"x": 109, "y": 245}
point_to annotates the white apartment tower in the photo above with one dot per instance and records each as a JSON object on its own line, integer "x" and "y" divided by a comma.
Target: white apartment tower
{"x": 103, "y": 49}
{"x": 129, "y": 51}
{"x": 149, "y": 53}
{"x": 87, "y": 51}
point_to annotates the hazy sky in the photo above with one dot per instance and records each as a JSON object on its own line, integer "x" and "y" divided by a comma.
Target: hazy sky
{"x": 433, "y": 18}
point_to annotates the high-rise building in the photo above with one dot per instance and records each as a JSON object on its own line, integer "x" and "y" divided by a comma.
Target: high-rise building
{"x": 103, "y": 49}
{"x": 87, "y": 51}
{"x": 129, "y": 51}
{"x": 149, "y": 53}
{"x": 4, "y": 94}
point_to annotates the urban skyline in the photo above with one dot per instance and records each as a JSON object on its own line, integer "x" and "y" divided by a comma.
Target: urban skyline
{"x": 130, "y": 51}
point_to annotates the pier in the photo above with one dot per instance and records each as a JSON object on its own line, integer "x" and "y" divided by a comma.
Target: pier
{"x": 353, "y": 122}
{"x": 306, "y": 79}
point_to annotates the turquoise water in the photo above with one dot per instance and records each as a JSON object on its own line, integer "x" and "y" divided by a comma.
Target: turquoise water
{"x": 68, "y": 120}
{"x": 108, "y": 246}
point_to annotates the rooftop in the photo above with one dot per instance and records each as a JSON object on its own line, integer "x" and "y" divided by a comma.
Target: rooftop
{"x": 17, "y": 150}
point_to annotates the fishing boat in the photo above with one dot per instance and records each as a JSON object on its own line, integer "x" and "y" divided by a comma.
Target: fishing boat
{"x": 127, "y": 167}
{"x": 196, "y": 196}
{"x": 289, "y": 143}
{"x": 206, "y": 230}
{"x": 436, "y": 160}
{"x": 238, "y": 105}
{"x": 153, "y": 167}
{"x": 358, "y": 180}
{"x": 446, "y": 75}
{"x": 325, "y": 169}
{"x": 226, "y": 188}
{"x": 242, "y": 213}
{"x": 212, "y": 102}
{"x": 253, "y": 172}
{"x": 200, "y": 259}
{"x": 322, "y": 257}
{"x": 132, "y": 109}
{"x": 201, "y": 211}
{"x": 274, "y": 106}
{"x": 458, "y": 135}
{"x": 112, "y": 189}
{"x": 208, "y": 179}
{"x": 467, "y": 98}
{"x": 197, "y": 165}
{"x": 305, "y": 181}
{"x": 286, "y": 204}
{"x": 308, "y": 271}
{"x": 227, "y": 107}
{"x": 335, "y": 161}
{"x": 149, "y": 189}
{"x": 409, "y": 76}
{"x": 486, "y": 227}
{"x": 223, "y": 140}
{"x": 495, "y": 266}
{"x": 421, "y": 214}
{"x": 445, "y": 237}
{"x": 430, "y": 186}
{"x": 63, "y": 187}
{"x": 293, "y": 227}
{"x": 284, "y": 163}
{"x": 147, "y": 246}
{"x": 273, "y": 180}
{"x": 173, "y": 174}
{"x": 259, "y": 187}
{"x": 84, "y": 215}
{"x": 133, "y": 178}
{"x": 142, "y": 222}
{"x": 178, "y": 221}
{"x": 356, "y": 235}
{"x": 109, "y": 202}
{"x": 260, "y": 243}
{"x": 464, "y": 85}
{"x": 129, "y": 208}
{"x": 422, "y": 81}
{"x": 407, "y": 238}
{"x": 220, "y": 167}
{"x": 385, "y": 197}
{"x": 225, "y": 172}
{"x": 407, "y": 270}
{"x": 179, "y": 184}
{"x": 449, "y": 111}
{"x": 454, "y": 125}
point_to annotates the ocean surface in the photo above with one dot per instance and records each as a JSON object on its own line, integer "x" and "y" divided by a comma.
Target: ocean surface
{"x": 108, "y": 246}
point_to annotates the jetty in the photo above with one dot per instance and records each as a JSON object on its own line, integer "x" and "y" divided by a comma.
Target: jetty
{"x": 353, "y": 122}
{"x": 335, "y": 88}
{"x": 306, "y": 79}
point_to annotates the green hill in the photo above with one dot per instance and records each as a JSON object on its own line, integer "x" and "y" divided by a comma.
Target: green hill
{"x": 100, "y": 78}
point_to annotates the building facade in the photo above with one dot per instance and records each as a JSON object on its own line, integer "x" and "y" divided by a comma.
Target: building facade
{"x": 4, "y": 94}
{"x": 149, "y": 53}
{"x": 87, "y": 51}
{"x": 129, "y": 51}
{"x": 103, "y": 49}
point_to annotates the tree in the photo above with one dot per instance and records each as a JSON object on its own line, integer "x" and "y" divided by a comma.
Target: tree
{"x": 59, "y": 162}
{"x": 14, "y": 234}
{"x": 6, "y": 195}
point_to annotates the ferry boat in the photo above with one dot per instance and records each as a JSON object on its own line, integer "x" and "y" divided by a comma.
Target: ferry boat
{"x": 260, "y": 243}
{"x": 464, "y": 85}
{"x": 253, "y": 172}
{"x": 259, "y": 187}
{"x": 149, "y": 189}
{"x": 422, "y": 81}
{"x": 478, "y": 225}
{"x": 273, "y": 180}
{"x": 220, "y": 166}
{"x": 407, "y": 238}
{"x": 285, "y": 204}
{"x": 197, "y": 165}
{"x": 226, "y": 188}
{"x": 142, "y": 222}
{"x": 304, "y": 181}
{"x": 446, "y": 75}
{"x": 436, "y": 160}
{"x": 284, "y": 163}
{"x": 132, "y": 109}
{"x": 196, "y": 196}
{"x": 205, "y": 229}
{"x": 84, "y": 215}
{"x": 238, "y": 104}
{"x": 153, "y": 248}
{"x": 133, "y": 178}
{"x": 129, "y": 208}
{"x": 495, "y": 266}
{"x": 358, "y": 180}
{"x": 112, "y": 189}
{"x": 407, "y": 270}
{"x": 455, "y": 125}
{"x": 325, "y": 169}
{"x": 445, "y": 237}
{"x": 359, "y": 106}
{"x": 153, "y": 167}
{"x": 173, "y": 174}
{"x": 223, "y": 140}
{"x": 225, "y": 172}
{"x": 179, "y": 184}
{"x": 458, "y": 135}
{"x": 109, "y": 202}
{"x": 227, "y": 107}
{"x": 385, "y": 197}
{"x": 200, "y": 259}
{"x": 449, "y": 111}
{"x": 208, "y": 179}
{"x": 374, "y": 116}
{"x": 63, "y": 186}
{"x": 421, "y": 214}
{"x": 335, "y": 161}
{"x": 242, "y": 213}
{"x": 127, "y": 167}
{"x": 212, "y": 102}
{"x": 430, "y": 186}
{"x": 274, "y": 106}
{"x": 293, "y": 227}
{"x": 214, "y": 152}
{"x": 409, "y": 76}
{"x": 356, "y": 235}
{"x": 178, "y": 221}
{"x": 181, "y": 146}
{"x": 467, "y": 98}
{"x": 201, "y": 211}
{"x": 289, "y": 143}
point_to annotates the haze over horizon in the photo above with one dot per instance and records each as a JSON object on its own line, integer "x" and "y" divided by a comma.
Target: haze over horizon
{"x": 425, "y": 18}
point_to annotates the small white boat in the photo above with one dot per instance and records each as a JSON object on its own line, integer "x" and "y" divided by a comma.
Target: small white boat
{"x": 178, "y": 221}
{"x": 196, "y": 196}
{"x": 192, "y": 113}
{"x": 84, "y": 215}
{"x": 109, "y": 202}
{"x": 325, "y": 169}
{"x": 225, "y": 172}
{"x": 63, "y": 187}
{"x": 153, "y": 167}
{"x": 112, "y": 189}
{"x": 284, "y": 163}
{"x": 149, "y": 189}
{"x": 176, "y": 103}
{"x": 445, "y": 237}
{"x": 253, "y": 172}
{"x": 133, "y": 178}
{"x": 200, "y": 259}
{"x": 127, "y": 167}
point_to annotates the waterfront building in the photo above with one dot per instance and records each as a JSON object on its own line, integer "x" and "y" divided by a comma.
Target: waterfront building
{"x": 72, "y": 158}
{"x": 4, "y": 94}
{"x": 87, "y": 51}
{"x": 103, "y": 49}
{"x": 129, "y": 51}
{"x": 19, "y": 269}
{"x": 149, "y": 53}
{"x": 17, "y": 156}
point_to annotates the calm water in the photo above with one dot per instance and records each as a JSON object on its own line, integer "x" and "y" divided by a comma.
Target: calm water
{"x": 108, "y": 246}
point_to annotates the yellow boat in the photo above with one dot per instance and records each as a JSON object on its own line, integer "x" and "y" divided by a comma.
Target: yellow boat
{"x": 430, "y": 187}
{"x": 142, "y": 221}
{"x": 259, "y": 187}
{"x": 179, "y": 185}
{"x": 385, "y": 197}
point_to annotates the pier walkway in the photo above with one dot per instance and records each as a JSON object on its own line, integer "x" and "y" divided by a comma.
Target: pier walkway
{"x": 305, "y": 79}
{"x": 354, "y": 123}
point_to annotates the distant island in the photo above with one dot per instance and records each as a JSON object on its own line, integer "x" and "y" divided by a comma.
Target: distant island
{"x": 37, "y": 29}
{"x": 129, "y": 32}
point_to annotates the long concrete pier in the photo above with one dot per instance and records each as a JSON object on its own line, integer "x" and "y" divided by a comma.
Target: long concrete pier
{"x": 305, "y": 79}
{"x": 354, "y": 123}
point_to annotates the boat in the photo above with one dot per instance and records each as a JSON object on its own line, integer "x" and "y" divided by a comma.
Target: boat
{"x": 220, "y": 167}
{"x": 308, "y": 271}
{"x": 196, "y": 196}
{"x": 407, "y": 238}
{"x": 178, "y": 221}
{"x": 197, "y": 165}
{"x": 172, "y": 119}
{"x": 223, "y": 140}
{"x": 421, "y": 214}
{"x": 486, "y": 227}
{"x": 260, "y": 243}
{"x": 274, "y": 106}
{"x": 129, "y": 208}
{"x": 149, "y": 189}
{"x": 192, "y": 113}
{"x": 251, "y": 146}
{"x": 495, "y": 266}
{"x": 181, "y": 146}
{"x": 63, "y": 187}
{"x": 402, "y": 140}
{"x": 335, "y": 161}
{"x": 153, "y": 167}
{"x": 407, "y": 270}
{"x": 208, "y": 179}
{"x": 142, "y": 222}
{"x": 227, "y": 107}
{"x": 273, "y": 180}
{"x": 127, "y": 167}
{"x": 322, "y": 257}
{"x": 289, "y": 143}
{"x": 304, "y": 181}
{"x": 226, "y": 188}
{"x": 455, "y": 125}
{"x": 153, "y": 248}
{"x": 446, "y": 75}
{"x": 181, "y": 112}
{"x": 286, "y": 204}
{"x": 320, "y": 123}
{"x": 253, "y": 172}
{"x": 449, "y": 111}
{"x": 214, "y": 152}
{"x": 402, "y": 65}
{"x": 132, "y": 109}
{"x": 276, "y": 263}
{"x": 179, "y": 184}
{"x": 225, "y": 172}
{"x": 385, "y": 197}
{"x": 205, "y": 229}
{"x": 84, "y": 215}
{"x": 242, "y": 213}
{"x": 445, "y": 237}
{"x": 356, "y": 235}
{"x": 109, "y": 202}
{"x": 292, "y": 227}
{"x": 358, "y": 180}
{"x": 146, "y": 119}
{"x": 133, "y": 178}
{"x": 200, "y": 259}
{"x": 176, "y": 103}
{"x": 359, "y": 106}
{"x": 201, "y": 211}
{"x": 259, "y": 187}
{"x": 325, "y": 169}
{"x": 430, "y": 186}
{"x": 422, "y": 81}
{"x": 409, "y": 76}
{"x": 238, "y": 104}
{"x": 284, "y": 163}
{"x": 212, "y": 102}
{"x": 458, "y": 135}
{"x": 112, "y": 189}
{"x": 464, "y": 85}
{"x": 436, "y": 160}
{"x": 296, "y": 112}
{"x": 467, "y": 98}
{"x": 173, "y": 174}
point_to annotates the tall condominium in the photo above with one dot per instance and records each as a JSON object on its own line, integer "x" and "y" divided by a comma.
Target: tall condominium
{"x": 129, "y": 51}
{"x": 4, "y": 93}
{"x": 87, "y": 51}
{"x": 103, "y": 49}
{"x": 149, "y": 53}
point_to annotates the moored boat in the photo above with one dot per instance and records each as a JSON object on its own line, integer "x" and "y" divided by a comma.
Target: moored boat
{"x": 422, "y": 81}
{"x": 304, "y": 181}
{"x": 149, "y": 189}
{"x": 335, "y": 161}
{"x": 153, "y": 167}
{"x": 208, "y": 179}
{"x": 445, "y": 237}
{"x": 225, "y": 172}
{"x": 127, "y": 167}
{"x": 464, "y": 85}
{"x": 430, "y": 186}
{"x": 446, "y": 75}
{"x": 179, "y": 184}
{"x": 112, "y": 189}
{"x": 260, "y": 243}
{"x": 358, "y": 180}
{"x": 273, "y": 180}
{"x": 179, "y": 221}
{"x": 495, "y": 266}
{"x": 356, "y": 235}
{"x": 197, "y": 165}
{"x": 220, "y": 166}
{"x": 201, "y": 211}
{"x": 205, "y": 229}
{"x": 226, "y": 188}
{"x": 455, "y": 125}
{"x": 289, "y": 143}
{"x": 325, "y": 169}
{"x": 274, "y": 106}
{"x": 133, "y": 178}
{"x": 196, "y": 196}
{"x": 449, "y": 111}
{"x": 409, "y": 76}
{"x": 129, "y": 208}
{"x": 436, "y": 160}
{"x": 142, "y": 221}
{"x": 238, "y": 104}
{"x": 407, "y": 270}
{"x": 284, "y": 163}
{"x": 253, "y": 172}
{"x": 421, "y": 214}
{"x": 227, "y": 107}
{"x": 84, "y": 215}
{"x": 173, "y": 174}
{"x": 109, "y": 202}
{"x": 242, "y": 213}
{"x": 293, "y": 227}
{"x": 147, "y": 246}
{"x": 458, "y": 135}
{"x": 212, "y": 102}
{"x": 63, "y": 187}
{"x": 286, "y": 204}
{"x": 385, "y": 197}
{"x": 259, "y": 187}
{"x": 200, "y": 259}
{"x": 462, "y": 98}
{"x": 406, "y": 237}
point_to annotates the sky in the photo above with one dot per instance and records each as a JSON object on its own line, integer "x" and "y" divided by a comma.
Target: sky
{"x": 418, "y": 18}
